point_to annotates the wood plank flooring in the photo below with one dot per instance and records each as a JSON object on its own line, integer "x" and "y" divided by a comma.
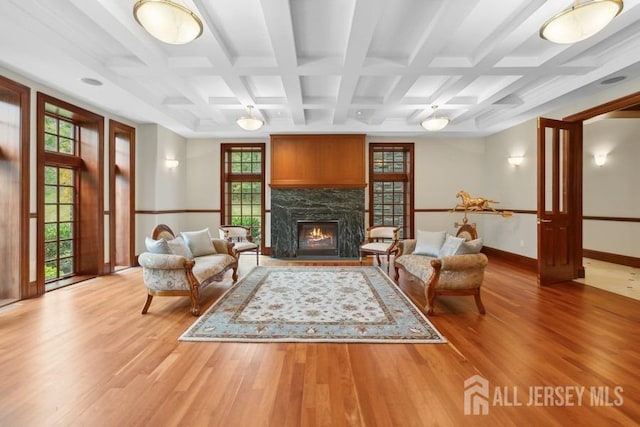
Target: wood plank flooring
{"x": 83, "y": 355}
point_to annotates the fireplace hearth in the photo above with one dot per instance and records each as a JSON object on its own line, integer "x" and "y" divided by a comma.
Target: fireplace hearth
{"x": 317, "y": 237}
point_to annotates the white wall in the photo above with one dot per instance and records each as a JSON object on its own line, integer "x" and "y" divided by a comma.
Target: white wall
{"x": 514, "y": 187}
{"x": 158, "y": 187}
{"x": 442, "y": 168}
{"x": 612, "y": 190}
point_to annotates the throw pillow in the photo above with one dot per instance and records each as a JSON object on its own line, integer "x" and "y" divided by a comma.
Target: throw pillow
{"x": 470, "y": 247}
{"x": 157, "y": 246}
{"x": 429, "y": 242}
{"x": 450, "y": 246}
{"x": 179, "y": 247}
{"x": 199, "y": 242}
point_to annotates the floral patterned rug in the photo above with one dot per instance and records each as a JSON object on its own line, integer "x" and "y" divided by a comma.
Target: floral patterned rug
{"x": 314, "y": 304}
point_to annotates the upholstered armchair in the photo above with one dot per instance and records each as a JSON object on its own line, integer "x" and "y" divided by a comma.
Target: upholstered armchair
{"x": 381, "y": 240}
{"x": 170, "y": 268}
{"x": 458, "y": 274}
{"x": 241, "y": 238}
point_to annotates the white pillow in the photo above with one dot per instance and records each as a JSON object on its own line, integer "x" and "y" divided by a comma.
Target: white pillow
{"x": 429, "y": 242}
{"x": 157, "y": 246}
{"x": 470, "y": 247}
{"x": 199, "y": 242}
{"x": 179, "y": 247}
{"x": 450, "y": 246}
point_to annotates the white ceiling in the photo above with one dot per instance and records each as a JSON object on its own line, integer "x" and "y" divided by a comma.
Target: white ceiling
{"x": 318, "y": 66}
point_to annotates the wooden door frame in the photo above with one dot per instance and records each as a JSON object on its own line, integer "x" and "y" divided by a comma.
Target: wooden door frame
{"x": 18, "y": 152}
{"x": 116, "y": 128}
{"x": 577, "y": 165}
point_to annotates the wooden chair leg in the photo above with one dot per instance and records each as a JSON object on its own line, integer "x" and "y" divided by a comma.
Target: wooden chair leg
{"x": 378, "y": 258}
{"x": 430, "y": 295}
{"x": 147, "y": 304}
{"x": 479, "y": 302}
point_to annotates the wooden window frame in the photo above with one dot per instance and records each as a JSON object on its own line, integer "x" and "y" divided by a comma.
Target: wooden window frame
{"x": 89, "y": 261}
{"x": 226, "y": 178}
{"x": 407, "y": 177}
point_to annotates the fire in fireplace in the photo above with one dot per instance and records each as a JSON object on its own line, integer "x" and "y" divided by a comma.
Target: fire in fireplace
{"x": 317, "y": 238}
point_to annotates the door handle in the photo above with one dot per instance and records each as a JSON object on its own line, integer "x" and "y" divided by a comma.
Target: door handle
{"x": 540, "y": 221}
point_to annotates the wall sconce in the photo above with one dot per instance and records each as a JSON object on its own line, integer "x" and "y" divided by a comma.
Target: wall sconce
{"x": 515, "y": 160}
{"x": 171, "y": 163}
{"x": 600, "y": 158}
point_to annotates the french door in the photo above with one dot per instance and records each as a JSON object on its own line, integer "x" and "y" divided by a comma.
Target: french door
{"x": 559, "y": 200}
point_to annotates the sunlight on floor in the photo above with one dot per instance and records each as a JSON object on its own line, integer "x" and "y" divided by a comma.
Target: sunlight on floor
{"x": 616, "y": 278}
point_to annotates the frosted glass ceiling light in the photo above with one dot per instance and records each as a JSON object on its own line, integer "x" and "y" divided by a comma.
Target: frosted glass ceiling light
{"x": 167, "y": 21}
{"x": 580, "y": 21}
{"x": 249, "y": 122}
{"x": 435, "y": 123}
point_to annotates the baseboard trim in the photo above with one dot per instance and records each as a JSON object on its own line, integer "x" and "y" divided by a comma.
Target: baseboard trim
{"x": 613, "y": 258}
{"x": 527, "y": 263}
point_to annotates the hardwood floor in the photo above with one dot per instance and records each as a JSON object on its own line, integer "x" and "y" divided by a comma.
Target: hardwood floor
{"x": 83, "y": 355}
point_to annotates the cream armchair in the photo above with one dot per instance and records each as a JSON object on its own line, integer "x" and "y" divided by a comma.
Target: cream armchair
{"x": 241, "y": 238}
{"x": 381, "y": 240}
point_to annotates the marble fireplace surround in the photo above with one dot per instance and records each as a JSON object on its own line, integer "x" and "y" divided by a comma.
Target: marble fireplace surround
{"x": 288, "y": 206}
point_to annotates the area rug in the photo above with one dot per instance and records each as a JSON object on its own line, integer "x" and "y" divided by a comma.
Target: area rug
{"x": 314, "y": 304}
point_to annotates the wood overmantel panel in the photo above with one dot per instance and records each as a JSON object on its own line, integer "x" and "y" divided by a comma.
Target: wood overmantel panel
{"x": 318, "y": 161}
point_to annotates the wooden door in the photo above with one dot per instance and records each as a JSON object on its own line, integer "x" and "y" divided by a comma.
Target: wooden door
{"x": 558, "y": 200}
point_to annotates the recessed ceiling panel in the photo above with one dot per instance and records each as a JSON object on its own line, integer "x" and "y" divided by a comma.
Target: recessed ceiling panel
{"x": 266, "y": 86}
{"x": 374, "y": 86}
{"x": 401, "y": 28}
{"x": 211, "y": 86}
{"x": 485, "y": 86}
{"x": 242, "y": 27}
{"x": 320, "y": 86}
{"x": 321, "y": 28}
{"x": 426, "y": 86}
{"x": 486, "y": 16}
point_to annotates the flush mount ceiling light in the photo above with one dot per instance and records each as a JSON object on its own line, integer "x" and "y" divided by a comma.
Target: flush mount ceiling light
{"x": 580, "y": 21}
{"x": 249, "y": 122}
{"x": 167, "y": 21}
{"x": 435, "y": 123}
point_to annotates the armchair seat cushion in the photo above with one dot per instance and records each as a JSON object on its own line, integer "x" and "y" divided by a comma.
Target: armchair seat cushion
{"x": 417, "y": 265}
{"x": 244, "y": 246}
{"x": 208, "y": 266}
{"x": 381, "y": 247}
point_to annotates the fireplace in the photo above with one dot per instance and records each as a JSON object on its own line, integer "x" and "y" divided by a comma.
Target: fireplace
{"x": 317, "y": 237}
{"x": 342, "y": 205}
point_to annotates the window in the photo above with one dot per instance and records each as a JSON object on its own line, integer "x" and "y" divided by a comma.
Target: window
{"x": 59, "y": 225}
{"x": 60, "y": 190}
{"x": 243, "y": 187}
{"x": 70, "y": 191}
{"x": 391, "y": 187}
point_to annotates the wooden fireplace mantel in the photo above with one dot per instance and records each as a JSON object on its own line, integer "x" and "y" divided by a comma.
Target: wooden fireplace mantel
{"x": 318, "y": 161}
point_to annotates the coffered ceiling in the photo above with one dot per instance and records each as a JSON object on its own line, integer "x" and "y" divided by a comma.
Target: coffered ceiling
{"x": 318, "y": 66}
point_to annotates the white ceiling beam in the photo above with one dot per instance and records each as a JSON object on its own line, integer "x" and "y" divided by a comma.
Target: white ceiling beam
{"x": 366, "y": 15}
{"x": 277, "y": 16}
